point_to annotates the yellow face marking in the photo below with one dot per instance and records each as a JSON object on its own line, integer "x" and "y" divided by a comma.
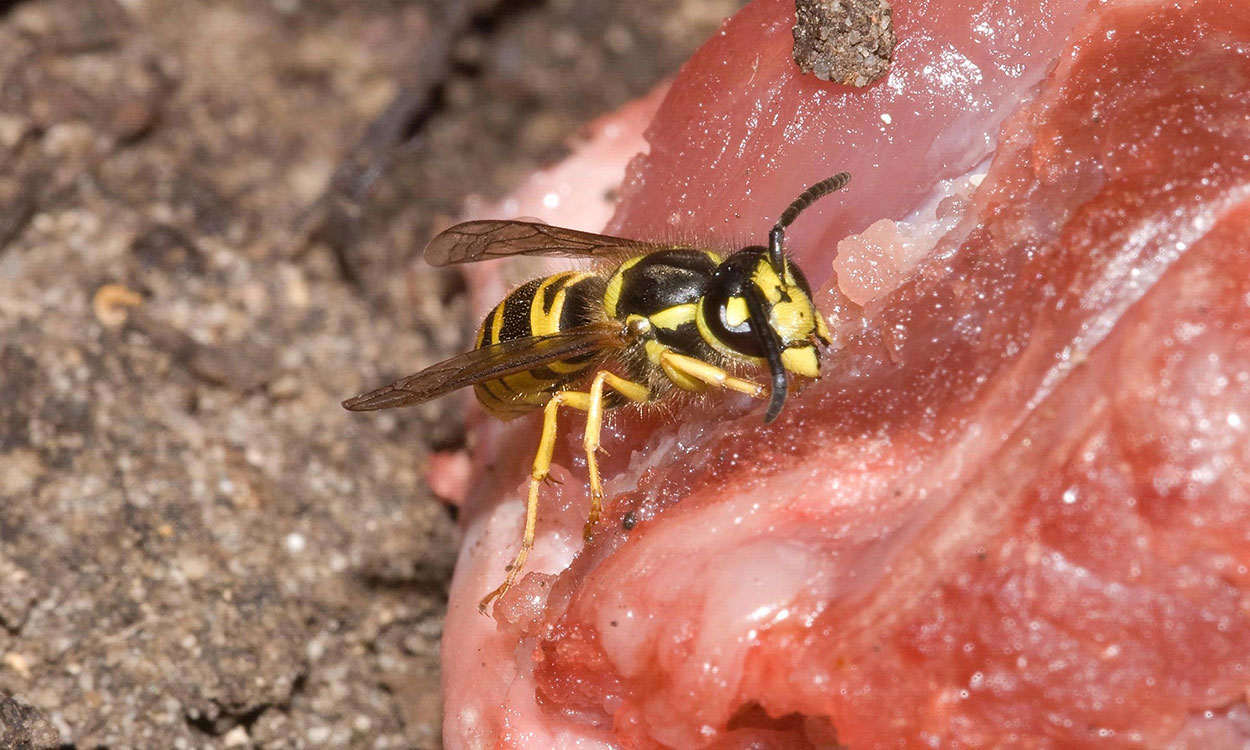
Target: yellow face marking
{"x": 706, "y": 333}
{"x": 802, "y": 361}
{"x": 768, "y": 282}
{"x": 822, "y": 329}
{"x": 736, "y": 312}
{"x": 793, "y": 320}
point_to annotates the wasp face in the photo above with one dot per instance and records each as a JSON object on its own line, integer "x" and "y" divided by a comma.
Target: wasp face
{"x": 785, "y": 300}
{"x": 752, "y": 311}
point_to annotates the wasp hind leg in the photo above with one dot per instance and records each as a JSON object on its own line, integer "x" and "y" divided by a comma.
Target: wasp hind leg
{"x": 635, "y": 392}
{"x": 590, "y": 402}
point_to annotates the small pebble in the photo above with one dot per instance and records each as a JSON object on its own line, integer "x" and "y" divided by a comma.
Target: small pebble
{"x": 295, "y": 542}
{"x": 236, "y": 737}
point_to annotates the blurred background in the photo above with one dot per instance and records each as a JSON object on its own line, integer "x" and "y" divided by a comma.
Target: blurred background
{"x": 211, "y": 216}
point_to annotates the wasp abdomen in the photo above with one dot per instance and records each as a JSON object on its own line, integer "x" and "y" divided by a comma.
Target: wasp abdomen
{"x": 538, "y": 308}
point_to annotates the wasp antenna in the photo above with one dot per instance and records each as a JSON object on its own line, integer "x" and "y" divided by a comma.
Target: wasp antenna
{"x": 772, "y": 354}
{"x": 810, "y": 196}
{"x": 805, "y": 199}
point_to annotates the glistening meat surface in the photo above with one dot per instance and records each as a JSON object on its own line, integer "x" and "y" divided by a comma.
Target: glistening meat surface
{"x": 1014, "y": 512}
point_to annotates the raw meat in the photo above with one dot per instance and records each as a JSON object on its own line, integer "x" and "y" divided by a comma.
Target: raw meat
{"x": 1015, "y": 512}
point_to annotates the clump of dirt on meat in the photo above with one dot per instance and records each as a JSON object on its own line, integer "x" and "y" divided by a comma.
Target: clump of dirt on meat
{"x": 846, "y": 41}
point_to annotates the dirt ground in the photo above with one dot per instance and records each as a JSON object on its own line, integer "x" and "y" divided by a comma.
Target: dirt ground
{"x": 198, "y": 547}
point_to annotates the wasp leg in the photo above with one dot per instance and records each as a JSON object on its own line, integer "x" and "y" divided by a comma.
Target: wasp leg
{"x": 636, "y": 392}
{"x": 707, "y": 373}
{"x": 542, "y": 467}
{"x": 592, "y": 403}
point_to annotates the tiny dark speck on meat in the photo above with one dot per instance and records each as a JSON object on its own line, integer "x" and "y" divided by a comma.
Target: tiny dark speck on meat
{"x": 629, "y": 520}
{"x": 846, "y": 41}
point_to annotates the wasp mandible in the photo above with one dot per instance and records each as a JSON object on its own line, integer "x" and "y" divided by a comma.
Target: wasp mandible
{"x": 658, "y": 320}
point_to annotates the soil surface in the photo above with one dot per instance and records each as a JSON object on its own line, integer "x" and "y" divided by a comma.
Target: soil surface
{"x": 198, "y": 546}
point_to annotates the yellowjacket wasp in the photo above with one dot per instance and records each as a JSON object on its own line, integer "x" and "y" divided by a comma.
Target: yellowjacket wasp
{"x": 664, "y": 318}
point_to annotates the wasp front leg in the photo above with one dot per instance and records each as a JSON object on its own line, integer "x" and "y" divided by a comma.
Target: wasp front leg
{"x": 704, "y": 372}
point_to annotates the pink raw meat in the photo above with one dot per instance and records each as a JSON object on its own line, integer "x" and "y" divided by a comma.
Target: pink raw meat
{"x": 1015, "y": 512}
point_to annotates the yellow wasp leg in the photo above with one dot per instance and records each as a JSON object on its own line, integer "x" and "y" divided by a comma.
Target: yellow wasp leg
{"x": 636, "y": 392}
{"x": 708, "y": 373}
{"x": 592, "y": 404}
{"x": 542, "y": 466}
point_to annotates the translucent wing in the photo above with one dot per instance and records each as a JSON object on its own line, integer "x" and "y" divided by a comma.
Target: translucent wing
{"x": 488, "y": 363}
{"x": 482, "y": 240}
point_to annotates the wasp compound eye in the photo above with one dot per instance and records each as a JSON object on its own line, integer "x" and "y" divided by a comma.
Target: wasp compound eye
{"x": 725, "y": 309}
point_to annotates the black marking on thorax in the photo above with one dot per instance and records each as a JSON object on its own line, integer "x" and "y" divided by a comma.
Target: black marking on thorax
{"x": 662, "y": 280}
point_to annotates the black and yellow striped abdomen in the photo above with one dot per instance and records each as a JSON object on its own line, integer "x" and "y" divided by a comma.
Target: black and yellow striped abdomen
{"x": 539, "y": 308}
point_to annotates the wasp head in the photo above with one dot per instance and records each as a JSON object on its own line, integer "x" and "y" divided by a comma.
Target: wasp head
{"x": 754, "y": 312}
